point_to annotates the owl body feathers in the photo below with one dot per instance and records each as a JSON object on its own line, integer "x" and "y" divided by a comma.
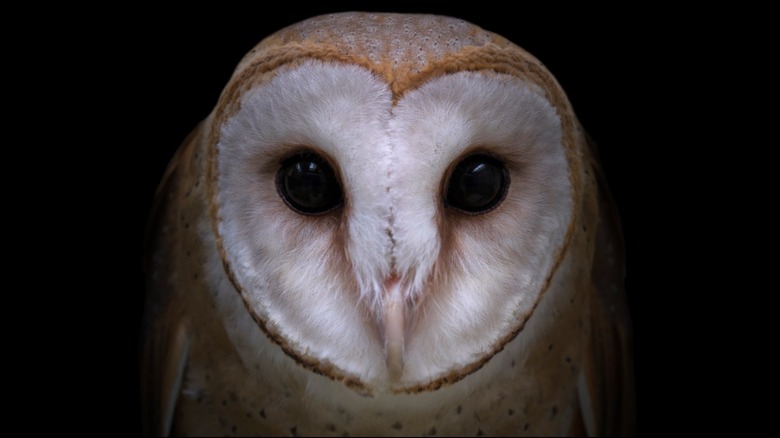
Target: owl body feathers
{"x": 392, "y": 313}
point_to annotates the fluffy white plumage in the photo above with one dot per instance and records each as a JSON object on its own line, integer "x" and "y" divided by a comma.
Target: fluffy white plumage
{"x": 393, "y": 167}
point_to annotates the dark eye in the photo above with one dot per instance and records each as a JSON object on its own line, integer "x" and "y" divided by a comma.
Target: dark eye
{"x": 308, "y": 184}
{"x": 477, "y": 184}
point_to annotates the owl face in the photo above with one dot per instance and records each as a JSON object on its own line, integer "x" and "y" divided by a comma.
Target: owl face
{"x": 392, "y": 238}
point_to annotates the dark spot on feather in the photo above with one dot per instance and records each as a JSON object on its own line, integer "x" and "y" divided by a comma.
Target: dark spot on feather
{"x": 262, "y": 413}
{"x": 479, "y": 432}
{"x": 294, "y": 431}
{"x": 432, "y": 431}
{"x": 224, "y": 402}
{"x": 460, "y": 408}
{"x": 233, "y": 428}
{"x": 549, "y": 347}
{"x": 330, "y": 427}
{"x": 568, "y": 359}
{"x": 510, "y": 412}
{"x": 526, "y": 426}
{"x": 554, "y": 411}
{"x": 397, "y": 425}
{"x": 513, "y": 363}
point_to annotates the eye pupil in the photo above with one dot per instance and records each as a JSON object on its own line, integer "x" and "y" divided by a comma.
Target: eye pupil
{"x": 308, "y": 184}
{"x": 477, "y": 184}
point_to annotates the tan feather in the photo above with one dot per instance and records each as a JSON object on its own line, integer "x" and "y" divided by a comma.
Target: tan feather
{"x": 607, "y": 388}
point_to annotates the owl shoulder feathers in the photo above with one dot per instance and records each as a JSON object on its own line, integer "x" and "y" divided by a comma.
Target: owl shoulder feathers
{"x": 165, "y": 338}
{"x": 607, "y": 384}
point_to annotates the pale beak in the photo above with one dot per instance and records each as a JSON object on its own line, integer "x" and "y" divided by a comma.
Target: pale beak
{"x": 394, "y": 322}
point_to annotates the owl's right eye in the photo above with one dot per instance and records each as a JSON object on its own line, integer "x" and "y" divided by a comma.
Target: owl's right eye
{"x": 308, "y": 184}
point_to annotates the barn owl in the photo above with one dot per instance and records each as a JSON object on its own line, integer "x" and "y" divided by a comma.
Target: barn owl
{"x": 390, "y": 224}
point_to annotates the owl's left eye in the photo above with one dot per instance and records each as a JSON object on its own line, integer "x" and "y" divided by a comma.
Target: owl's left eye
{"x": 477, "y": 185}
{"x": 308, "y": 184}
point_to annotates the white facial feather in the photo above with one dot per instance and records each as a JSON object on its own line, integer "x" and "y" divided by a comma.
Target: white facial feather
{"x": 304, "y": 292}
{"x": 308, "y": 295}
{"x": 496, "y": 266}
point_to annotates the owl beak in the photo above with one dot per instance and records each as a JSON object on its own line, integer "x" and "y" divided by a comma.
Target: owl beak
{"x": 393, "y": 327}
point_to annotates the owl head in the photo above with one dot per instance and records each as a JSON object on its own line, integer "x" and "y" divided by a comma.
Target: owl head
{"x": 392, "y": 195}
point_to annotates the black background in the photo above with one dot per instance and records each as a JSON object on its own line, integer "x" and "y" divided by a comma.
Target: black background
{"x": 160, "y": 73}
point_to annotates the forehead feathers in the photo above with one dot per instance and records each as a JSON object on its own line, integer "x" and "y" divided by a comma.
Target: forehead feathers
{"x": 405, "y": 50}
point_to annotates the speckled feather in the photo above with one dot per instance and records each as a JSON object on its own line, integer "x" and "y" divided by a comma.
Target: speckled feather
{"x": 215, "y": 364}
